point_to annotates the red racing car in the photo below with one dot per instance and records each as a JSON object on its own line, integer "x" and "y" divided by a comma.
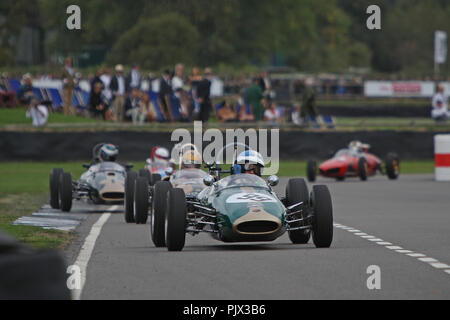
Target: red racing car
{"x": 355, "y": 161}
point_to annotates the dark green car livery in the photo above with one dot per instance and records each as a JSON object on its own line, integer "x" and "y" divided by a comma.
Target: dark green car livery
{"x": 246, "y": 209}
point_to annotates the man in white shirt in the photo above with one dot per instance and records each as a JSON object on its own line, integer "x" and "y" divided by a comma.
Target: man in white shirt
{"x": 106, "y": 79}
{"x": 38, "y": 113}
{"x": 118, "y": 88}
{"x": 440, "y": 106}
{"x": 134, "y": 79}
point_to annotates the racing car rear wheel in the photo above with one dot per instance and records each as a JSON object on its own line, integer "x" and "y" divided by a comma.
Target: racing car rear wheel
{"x": 175, "y": 224}
{"x": 54, "y": 182}
{"x": 141, "y": 196}
{"x": 159, "y": 213}
{"x": 323, "y": 217}
{"x": 311, "y": 170}
{"x": 362, "y": 169}
{"x": 296, "y": 192}
{"x": 392, "y": 166}
{"x": 65, "y": 192}
{"x": 155, "y": 178}
{"x": 129, "y": 196}
{"x": 144, "y": 173}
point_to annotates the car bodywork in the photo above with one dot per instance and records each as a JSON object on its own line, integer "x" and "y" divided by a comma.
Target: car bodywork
{"x": 246, "y": 209}
{"x": 102, "y": 183}
{"x": 345, "y": 164}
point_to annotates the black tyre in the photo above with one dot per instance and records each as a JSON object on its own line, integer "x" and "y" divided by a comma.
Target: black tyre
{"x": 311, "y": 170}
{"x": 175, "y": 224}
{"x": 157, "y": 221}
{"x": 65, "y": 192}
{"x": 141, "y": 196}
{"x": 323, "y": 217}
{"x": 362, "y": 169}
{"x": 144, "y": 173}
{"x": 54, "y": 190}
{"x": 296, "y": 192}
{"x": 155, "y": 178}
{"x": 129, "y": 196}
{"x": 392, "y": 166}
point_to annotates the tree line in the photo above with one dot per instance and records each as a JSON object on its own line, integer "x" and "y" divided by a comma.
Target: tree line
{"x": 309, "y": 35}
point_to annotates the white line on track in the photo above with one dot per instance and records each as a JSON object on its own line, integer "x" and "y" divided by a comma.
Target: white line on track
{"x": 88, "y": 247}
{"x": 394, "y": 248}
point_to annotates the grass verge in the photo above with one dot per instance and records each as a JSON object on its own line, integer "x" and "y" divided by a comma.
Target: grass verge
{"x": 14, "y": 206}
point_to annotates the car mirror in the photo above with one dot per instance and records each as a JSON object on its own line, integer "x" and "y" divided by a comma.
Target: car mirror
{"x": 86, "y": 166}
{"x": 209, "y": 180}
{"x": 148, "y": 162}
{"x": 129, "y": 166}
{"x": 169, "y": 171}
{"x": 209, "y": 164}
{"x": 273, "y": 181}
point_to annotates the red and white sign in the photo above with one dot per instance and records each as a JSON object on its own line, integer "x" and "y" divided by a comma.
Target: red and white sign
{"x": 442, "y": 157}
{"x": 400, "y": 89}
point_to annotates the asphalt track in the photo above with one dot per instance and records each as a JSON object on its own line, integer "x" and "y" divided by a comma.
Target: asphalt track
{"x": 401, "y": 226}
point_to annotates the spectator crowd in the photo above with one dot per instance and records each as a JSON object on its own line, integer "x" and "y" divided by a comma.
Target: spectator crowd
{"x": 174, "y": 96}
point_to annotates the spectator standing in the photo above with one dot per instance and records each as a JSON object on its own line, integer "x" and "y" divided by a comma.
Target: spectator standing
{"x": 194, "y": 81}
{"x": 440, "y": 105}
{"x": 180, "y": 93}
{"x": 254, "y": 97}
{"x": 7, "y": 96}
{"x": 309, "y": 108}
{"x": 264, "y": 83}
{"x": 165, "y": 92}
{"x": 26, "y": 89}
{"x": 134, "y": 79}
{"x": 98, "y": 105}
{"x": 106, "y": 79}
{"x": 118, "y": 89}
{"x": 38, "y": 113}
{"x": 204, "y": 96}
{"x": 68, "y": 76}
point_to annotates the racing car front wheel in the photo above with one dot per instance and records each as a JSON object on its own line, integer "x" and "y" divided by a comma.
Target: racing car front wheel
{"x": 144, "y": 173}
{"x": 175, "y": 224}
{"x": 323, "y": 217}
{"x": 155, "y": 178}
{"x": 392, "y": 166}
{"x": 65, "y": 192}
{"x": 311, "y": 170}
{"x": 362, "y": 169}
{"x": 141, "y": 196}
{"x": 159, "y": 203}
{"x": 296, "y": 192}
{"x": 54, "y": 192}
{"x": 129, "y": 196}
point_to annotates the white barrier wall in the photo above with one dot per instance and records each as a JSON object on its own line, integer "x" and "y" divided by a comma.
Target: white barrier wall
{"x": 402, "y": 89}
{"x": 442, "y": 157}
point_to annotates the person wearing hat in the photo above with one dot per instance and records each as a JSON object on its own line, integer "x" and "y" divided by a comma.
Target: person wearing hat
{"x": 118, "y": 89}
{"x": 68, "y": 76}
{"x": 37, "y": 112}
{"x": 26, "y": 89}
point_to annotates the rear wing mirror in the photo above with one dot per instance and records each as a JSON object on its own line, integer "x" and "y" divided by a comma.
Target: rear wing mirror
{"x": 86, "y": 165}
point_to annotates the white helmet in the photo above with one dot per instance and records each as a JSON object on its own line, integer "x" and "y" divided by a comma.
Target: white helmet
{"x": 109, "y": 152}
{"x": 251, "y": 162}
{"x": 161, "y": 154}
